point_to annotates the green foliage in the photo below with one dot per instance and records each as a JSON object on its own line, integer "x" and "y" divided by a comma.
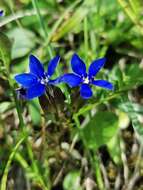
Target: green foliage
{"x": 5, "y": 175}
{"x": 34, "y": 110}
{"x": 134, "y": 75}
{"x": 100, "y": 129}
{"x": 72, "y": 181}
{"x": 4, "y": 106}
{"x": 114, "y": 149}
{"x": 5, "y": 49}
{"x": 71, "y": 23}
{"x": 93, "y": 29}
{"x": 132, "y": 9}
{"x": 22, "y": 46}
{"x": 133, "y": 110}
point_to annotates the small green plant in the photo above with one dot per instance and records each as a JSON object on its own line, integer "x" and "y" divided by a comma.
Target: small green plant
{"x": 69, "y": 126}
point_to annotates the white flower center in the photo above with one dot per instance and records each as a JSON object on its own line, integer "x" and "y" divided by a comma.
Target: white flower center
{"x": 44, "y": 80}
{"x": 86, "y": 80}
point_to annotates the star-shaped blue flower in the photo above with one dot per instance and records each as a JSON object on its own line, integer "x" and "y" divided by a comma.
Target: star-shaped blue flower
{"x": 83, "y": 79}
{"x": 1, "y": 12}
{"x": 36, "y": 81}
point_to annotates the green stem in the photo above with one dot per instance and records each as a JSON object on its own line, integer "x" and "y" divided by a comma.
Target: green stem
{"x": 35, "y": 167}
{"x": 96, "y": 164}
{"x": 18, "y": 157}
{"x": 60, "y": 20}
{"x": 19, "y": 15}
{"x": 4, "y": 177}
{"x": 94, "y": 159}
{"x": 45, "y": 33}
{"x": 91, "y": 106}
{"x": 21, "y": 122}
{"x": 86, "y": 39}
{"x": 131, "y": 14}
{"x": 11, "y": 7}
{"x": 23, "y": 133}
{"x": 47, "y": 36}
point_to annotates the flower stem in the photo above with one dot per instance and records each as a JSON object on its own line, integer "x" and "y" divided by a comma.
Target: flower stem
{"x": 23, "y": 130}
{"x": 86, "y": 39}
{"x": 96, "y": 164}
{"x": 93, "y": 158}
{"x": 45, "y": 33}
{"x": 5, "y": 174}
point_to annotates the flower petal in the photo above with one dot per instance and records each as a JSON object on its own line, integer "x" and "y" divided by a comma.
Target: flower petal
{"x": 103, "y": 84}
{"x": 1, "y": 12}
{"x": 78, "y": 66}
{"x": 55, "y": 81}
{"x": 21, "y": 93}
{"x": 71, "y": 79}
{"x": 96, "y": 66}
{"x": 35, "y": 91}
{"x": 36, "y": 66}
{"x": 26, "y": 79}
{"x": 52, "y": 65}
{"x": 85, "y": 91}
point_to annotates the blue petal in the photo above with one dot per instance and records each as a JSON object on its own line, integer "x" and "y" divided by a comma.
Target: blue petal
{"x": 1, "y": 12}
{"x": 103, "y": 84}
{"x": 26, "y": 79}
{"x": 71, "y": 79}
{"x": 21, "y": 93}
{"x": 85, "y": 91}
{"x": 55, "y": 81}
{"x": 35, "y": 66}
{"x": 35, "y": 91}
{"x": 96, "y": 66}
{"x": 52, "y": 65}
{"x": 78, "y": 66}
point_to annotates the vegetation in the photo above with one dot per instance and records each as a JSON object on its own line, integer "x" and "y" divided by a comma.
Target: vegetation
{"x": 61, "y": 140}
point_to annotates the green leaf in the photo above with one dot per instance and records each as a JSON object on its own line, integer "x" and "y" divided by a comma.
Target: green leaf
{"x": 114, "y": 149}
{"x": 133, "y": 110}
{"x": 71, "y": 23}
{"x": 34, "y": 110}
{"x": 137, "y": 6}
{"x": 5, "y": 49}
{"x": 134, "y": 17}
{"x": 72, "y": 181}
{"x": 134, "y": 75}
{"x": 24, "y": 41}
{"x": 100, "y": 129}
{"x": 7, "y": 167}
{"x": 136, "y": 108}
{"x": 4, "y": 106}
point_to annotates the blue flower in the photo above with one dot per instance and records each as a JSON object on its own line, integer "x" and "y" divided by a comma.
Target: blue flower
{"x": 83, "y": 79}
{"x": 1, "y": 12}
{"x": 36, "y": 81}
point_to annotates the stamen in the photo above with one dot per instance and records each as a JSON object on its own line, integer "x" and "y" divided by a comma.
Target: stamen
{"x": 86, "y": 80}
{"x": 44, "y": 80}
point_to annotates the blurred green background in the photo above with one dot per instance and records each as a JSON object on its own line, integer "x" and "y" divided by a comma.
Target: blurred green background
{"x": 94, "y": 144}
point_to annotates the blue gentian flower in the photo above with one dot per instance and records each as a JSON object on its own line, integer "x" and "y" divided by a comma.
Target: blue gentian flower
{"x": 36, "y": 81}
{"x": 83, "y": 79}
{"x": 1, "y": 12}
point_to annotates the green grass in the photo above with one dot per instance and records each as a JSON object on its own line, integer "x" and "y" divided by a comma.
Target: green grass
{"x": 77, "y": 144}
